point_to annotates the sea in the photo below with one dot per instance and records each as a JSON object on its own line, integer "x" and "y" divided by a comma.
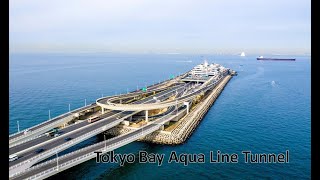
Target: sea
{"x": 266, "y": 108}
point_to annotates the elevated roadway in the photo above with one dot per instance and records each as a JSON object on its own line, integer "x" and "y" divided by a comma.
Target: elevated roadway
{"x": 65, "y": 131}
{"x": 28, "y": 157}
{"x": 110, "y": 103}
{"x": 69, "y": 160}
{"x": 37, "y": 130}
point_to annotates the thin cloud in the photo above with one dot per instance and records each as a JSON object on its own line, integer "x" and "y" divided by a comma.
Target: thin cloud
{"x": 143, "y": 25}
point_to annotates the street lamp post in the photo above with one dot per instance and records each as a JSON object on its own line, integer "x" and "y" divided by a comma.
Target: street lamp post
{"x": 18, "y": 126}
{"x": 57, "y": 161}
{"x": 49, "y": 115}
{"x": 105, "y": 142}
{"x": 69, "y": 107}
{"x": 85, "y": 102}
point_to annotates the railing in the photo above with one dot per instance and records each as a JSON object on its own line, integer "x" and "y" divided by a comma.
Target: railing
{"x": 115, "y": 98}
{"x": 55, "y": 118}
{"x": 109, "y": 147}
{"x": 64, "y": 145}
{"x": 83, "y": 136}
{"x": 157, "y": 105}
{"x": 41, "y": 129}
{"x": 21, "y": 142}
{"x": 91, "y": 154}
{"x": 79, "y": 138}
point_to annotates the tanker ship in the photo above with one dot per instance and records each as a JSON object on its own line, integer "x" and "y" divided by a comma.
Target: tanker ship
{"x": 275, "y": 59}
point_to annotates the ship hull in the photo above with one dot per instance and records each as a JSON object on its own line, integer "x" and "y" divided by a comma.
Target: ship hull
{"x": 275, "y": 59}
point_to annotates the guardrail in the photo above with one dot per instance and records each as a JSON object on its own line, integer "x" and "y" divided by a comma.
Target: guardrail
{"x": 158, "y": 124}
{"x": 21, "y": 142}
{"x": 137, "y": 105}
{"x": 24, "y": 162}
{"x": 73, "y": 111}
{"x": 133, "y": 94}
{"x": 63, "y": 146}
{"x": 104, "y": 150}
{"x": 55, "y": 118}
{"x": 41, "y": 129}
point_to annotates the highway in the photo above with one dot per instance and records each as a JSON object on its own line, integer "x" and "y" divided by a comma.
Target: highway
{"x": 155, "y": 105}
{"x": 53, "y": 163}
{"x": 44, "y": 138}
{"x": 110, "y": 145}
{"x": 171, "y": 94}
{"x": 61, "y": 139}
{"x": 34, "y": 141}
{"x": 90, "y": 127}
{"x": 37, "y": 130}
{"x": 68, "y": 129}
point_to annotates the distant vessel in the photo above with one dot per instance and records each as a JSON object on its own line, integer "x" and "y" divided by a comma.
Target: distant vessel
{"x": 275, "y": 59}
{"x": 242, "y": 54}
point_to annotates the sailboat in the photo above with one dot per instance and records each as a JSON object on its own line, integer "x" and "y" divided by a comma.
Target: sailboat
{"x": 242, "y": 54}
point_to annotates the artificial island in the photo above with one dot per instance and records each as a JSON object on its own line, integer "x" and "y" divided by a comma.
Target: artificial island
{"x": 163, "y": 113}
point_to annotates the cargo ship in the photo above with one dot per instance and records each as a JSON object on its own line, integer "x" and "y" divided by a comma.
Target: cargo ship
{"x": 275, "y": 59}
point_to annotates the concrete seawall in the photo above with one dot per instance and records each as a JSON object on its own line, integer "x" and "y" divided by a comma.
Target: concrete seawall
{"x": 187, "y": 124}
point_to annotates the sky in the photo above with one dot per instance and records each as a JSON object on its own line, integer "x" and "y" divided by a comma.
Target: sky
{"x": 160, "y": 26}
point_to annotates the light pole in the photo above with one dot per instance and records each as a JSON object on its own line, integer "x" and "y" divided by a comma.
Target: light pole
{"x": 57, "y": 161}
{"x": 49, "y": 115}
{"x": 85, "y": 102}
{"x": 127, "y": 91}
{"x": 105, "y": 142}
{"x": 137, "y": 87}
{"x": 18, "y": 126}
{"x": 69, "y": 107}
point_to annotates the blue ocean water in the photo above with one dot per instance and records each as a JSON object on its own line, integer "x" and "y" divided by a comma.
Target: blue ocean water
{"x": 265, "y": 109}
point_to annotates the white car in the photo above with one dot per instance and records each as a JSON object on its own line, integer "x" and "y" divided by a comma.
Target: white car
{"x": 13, "y": 157}
{"x": 26, "y": 131}
{"x": 56, "y": 135}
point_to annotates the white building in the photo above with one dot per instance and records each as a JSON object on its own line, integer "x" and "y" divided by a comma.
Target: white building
{"x": 206, "y": 69}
